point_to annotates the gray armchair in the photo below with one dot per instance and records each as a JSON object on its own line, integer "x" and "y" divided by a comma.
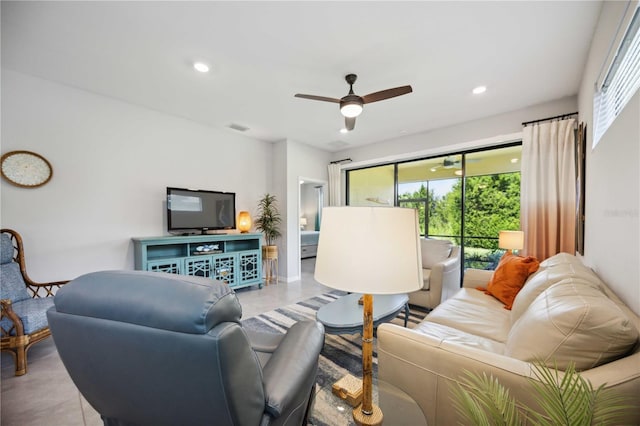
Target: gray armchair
{"x": 150, "y": 348}
{"x": 440, "y": 271}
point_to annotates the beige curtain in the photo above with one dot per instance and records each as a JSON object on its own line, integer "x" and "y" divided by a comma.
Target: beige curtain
{"x": 548, "y": 188}
{"x": 334, "y": 184}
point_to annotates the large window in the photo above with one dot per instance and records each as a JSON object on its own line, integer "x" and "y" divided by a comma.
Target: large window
{"x": 372, "y": 186}
{"x": 429, "y": 186}
{"x": 491, "y": 203}
{"x": 621, "y": 81}
{"x": 466, "y": 198}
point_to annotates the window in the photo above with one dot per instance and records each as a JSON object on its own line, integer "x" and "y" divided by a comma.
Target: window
{"x": 426, "y": 185}
{"x": 466, "y": 198}
{"x": 373, "y": 186}
{"x": 621, "y": 82}
{"x": 491, "y": 203}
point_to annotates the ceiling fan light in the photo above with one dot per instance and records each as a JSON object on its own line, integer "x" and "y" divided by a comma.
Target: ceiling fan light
{"x": 350, "y": 109}
{"x": 201, "y": 67}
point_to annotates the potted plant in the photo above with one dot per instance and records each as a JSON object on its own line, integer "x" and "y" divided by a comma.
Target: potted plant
{"x": 566, "y": 399}
{"x": 268, "y": 222}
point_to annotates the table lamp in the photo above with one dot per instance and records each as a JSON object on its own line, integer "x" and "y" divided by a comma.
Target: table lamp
{"x": 369, "y": 250}
{"x": 303, "y": 222}
{"x": 511, "y": 240}
{"x": 244, "y": 222}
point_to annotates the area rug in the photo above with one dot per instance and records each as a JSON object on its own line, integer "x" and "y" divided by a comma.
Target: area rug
{"x": 341, "y": 354}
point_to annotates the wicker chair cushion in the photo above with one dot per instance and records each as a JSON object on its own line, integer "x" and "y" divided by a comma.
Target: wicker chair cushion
{"x": 32, "y": 312}
{"x": 13, "y": 286}
{"x": 6, "y": 249}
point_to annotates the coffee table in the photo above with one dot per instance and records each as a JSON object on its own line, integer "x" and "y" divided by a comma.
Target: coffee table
{"x": 344, "y": 315}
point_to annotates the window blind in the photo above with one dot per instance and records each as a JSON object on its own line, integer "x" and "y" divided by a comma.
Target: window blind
{"x": 621, "y": 82}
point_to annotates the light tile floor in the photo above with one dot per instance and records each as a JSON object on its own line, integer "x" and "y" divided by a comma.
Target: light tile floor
{"x": 47, "y": 396}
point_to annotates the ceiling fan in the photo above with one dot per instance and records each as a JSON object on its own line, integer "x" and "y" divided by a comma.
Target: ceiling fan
{"x": 351, "y": 104}
{"x": 453, "y": 162}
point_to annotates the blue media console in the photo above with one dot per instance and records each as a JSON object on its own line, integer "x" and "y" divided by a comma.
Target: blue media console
{"x": 235, "y": 259}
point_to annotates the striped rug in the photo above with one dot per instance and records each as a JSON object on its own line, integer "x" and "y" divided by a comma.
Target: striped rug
{"x": 341, "y": 354}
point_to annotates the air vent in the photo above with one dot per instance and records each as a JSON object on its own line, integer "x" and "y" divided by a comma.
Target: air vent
{"x": 238, "y": 127}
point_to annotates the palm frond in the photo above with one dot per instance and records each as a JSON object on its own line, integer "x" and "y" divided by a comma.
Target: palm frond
{"x": 609, "y": 406}
{"x": 565, "y": 399}
{"x": 268, "y": 219}
{"x": 482, "y": 400}
{"x": 569, "y": 399}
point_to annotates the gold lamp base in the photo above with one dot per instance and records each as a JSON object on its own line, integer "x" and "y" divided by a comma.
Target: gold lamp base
{"x": 373, "y": 419}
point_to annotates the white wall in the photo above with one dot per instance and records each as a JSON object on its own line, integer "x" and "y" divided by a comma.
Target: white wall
{"x": 294, "y": 161}
{"x": 612, "y": 230}
{"x": 279, "y": 189}
{"x": 303, "y": 161}
{"x": 483, "y": 132}
{"x": 112, "y": 162}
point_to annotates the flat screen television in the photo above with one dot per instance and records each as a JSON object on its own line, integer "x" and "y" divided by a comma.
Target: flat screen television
{"x": 192, "y": 210}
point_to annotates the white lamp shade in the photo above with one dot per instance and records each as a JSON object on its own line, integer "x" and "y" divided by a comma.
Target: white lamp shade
{"x": 303, "y": 221}
{"x": 371, "y": 250}
{"x": 511, "y": 240}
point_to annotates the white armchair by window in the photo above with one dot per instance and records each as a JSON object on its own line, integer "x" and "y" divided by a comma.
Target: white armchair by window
{"x": 441, "y": 273}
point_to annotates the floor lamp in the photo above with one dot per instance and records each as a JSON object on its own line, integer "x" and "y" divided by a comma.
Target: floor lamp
{"x": 369, "y": 250}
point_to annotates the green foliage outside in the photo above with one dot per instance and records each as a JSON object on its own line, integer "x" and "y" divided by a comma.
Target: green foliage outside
{"x": 492, "y": 204}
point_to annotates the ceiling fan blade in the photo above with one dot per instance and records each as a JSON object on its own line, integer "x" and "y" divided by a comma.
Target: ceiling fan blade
{"x": 386, "y": 94}
{"x": 318, "y": 98}
{"x": 350, "y": 123}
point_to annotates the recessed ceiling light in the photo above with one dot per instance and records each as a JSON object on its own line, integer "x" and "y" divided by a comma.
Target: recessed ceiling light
{"x": 458, "y": 173}
{"x": 479, "y": 89}
{"x": 433, "y": 169}
{"x": 514, "y": 160}
{"x": 200, "y": 66}
{"x": 344, "y": 130}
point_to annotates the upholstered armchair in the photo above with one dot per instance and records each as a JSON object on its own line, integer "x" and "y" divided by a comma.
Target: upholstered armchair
{"x": 147, "y": 348}
{"x": 440, "y": 272}
{"x": 23, "y": 319}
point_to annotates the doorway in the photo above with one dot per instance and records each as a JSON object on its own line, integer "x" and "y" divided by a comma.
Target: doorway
{"x": 312, "y": 196}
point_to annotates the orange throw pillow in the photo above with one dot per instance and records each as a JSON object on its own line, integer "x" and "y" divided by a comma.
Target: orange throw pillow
{"x": 510, "y": 276}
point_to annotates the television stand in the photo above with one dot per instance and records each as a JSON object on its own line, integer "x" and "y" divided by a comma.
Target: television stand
{"x": 235, "y": 259}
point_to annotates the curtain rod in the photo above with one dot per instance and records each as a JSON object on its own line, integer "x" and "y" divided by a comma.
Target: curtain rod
{"x": 341, "y": 161}
{"x": 550, "y": 118}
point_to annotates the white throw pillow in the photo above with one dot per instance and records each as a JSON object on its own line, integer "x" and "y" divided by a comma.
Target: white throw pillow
{"x": 572, "y": 321}
{"x": 434, "y": 251}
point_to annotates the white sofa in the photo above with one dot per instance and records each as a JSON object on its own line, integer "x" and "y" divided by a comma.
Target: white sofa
{"x": 440, "y": 272}
{"x": 563, "y": 313}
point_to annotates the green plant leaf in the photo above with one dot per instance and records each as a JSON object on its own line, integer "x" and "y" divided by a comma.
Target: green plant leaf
{"x": 565, "y": 398}
{"x": 482, "y": 400}
{"x": 268, "y": 219}
{"x": 569, "y": 399}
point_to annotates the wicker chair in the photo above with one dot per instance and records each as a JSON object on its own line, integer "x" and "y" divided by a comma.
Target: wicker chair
{"x": 23, "y": 320}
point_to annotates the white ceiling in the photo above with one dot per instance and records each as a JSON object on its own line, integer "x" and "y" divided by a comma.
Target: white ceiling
{"x": 262, "y": 53}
